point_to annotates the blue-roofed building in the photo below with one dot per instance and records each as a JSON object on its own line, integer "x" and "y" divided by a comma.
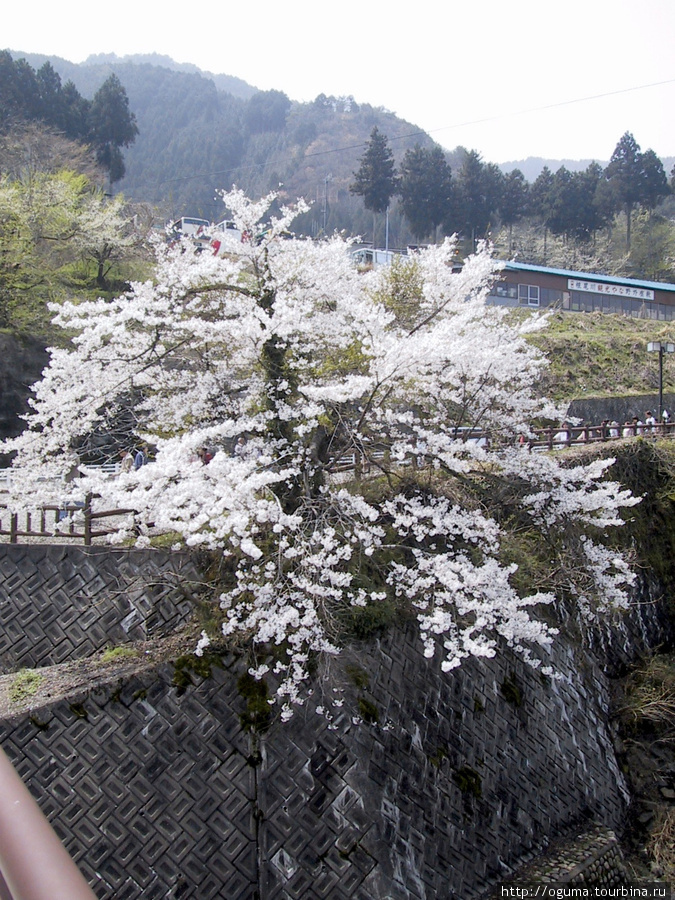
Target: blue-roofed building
{"x": 537, "y": 287}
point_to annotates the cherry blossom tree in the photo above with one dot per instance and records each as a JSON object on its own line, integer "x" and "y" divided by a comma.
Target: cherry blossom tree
{"x": 104, "y": 232}
{"x": 283, "y": 360}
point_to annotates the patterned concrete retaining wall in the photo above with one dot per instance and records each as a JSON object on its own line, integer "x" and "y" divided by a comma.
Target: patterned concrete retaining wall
{"x": 447, "y": 782}
{"x": 60, "y": 602}
{"x": 160, "y": 795}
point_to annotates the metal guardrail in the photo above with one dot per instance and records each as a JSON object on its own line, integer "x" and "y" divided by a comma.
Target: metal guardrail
{"x": 561, "y": 436}
{"x": 34, "y": 864}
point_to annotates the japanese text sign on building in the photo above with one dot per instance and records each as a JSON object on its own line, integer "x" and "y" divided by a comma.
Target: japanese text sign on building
{"x": 614, "y": 290}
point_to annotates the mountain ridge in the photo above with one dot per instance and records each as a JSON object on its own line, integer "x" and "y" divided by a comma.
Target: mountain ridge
{"x": 200, "y": 133}
{"x": 530, "y": 166}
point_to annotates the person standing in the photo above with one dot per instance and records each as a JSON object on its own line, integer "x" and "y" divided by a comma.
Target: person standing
{"x": 204, "y": 455}
{"x": 141, "y": 457}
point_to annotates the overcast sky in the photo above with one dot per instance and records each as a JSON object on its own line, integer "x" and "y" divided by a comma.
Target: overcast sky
{"x": 507, "y": 79}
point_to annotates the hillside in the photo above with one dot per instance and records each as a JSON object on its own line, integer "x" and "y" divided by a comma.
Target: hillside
{"x": 195, "y": 140}
{"x": 200, "y": 133}
{"x": 230, "y": 84}
{"x": 596, "y": 355}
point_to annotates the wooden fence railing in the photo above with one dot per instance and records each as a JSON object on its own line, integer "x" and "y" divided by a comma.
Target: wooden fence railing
{"x": 76, "y": 521}
{"x": 79, "y": 521}
{"x": 561, "y": 436}
{"x": 554, "y": 437}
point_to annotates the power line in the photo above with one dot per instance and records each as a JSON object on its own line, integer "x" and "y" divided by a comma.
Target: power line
{"x": 557, "y": 105}
{"x": 420, "y": 133}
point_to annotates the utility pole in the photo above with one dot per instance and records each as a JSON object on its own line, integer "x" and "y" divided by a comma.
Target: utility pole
{"x": 325, "y": 200}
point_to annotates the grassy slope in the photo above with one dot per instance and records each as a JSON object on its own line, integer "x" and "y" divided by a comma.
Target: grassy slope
{"x": 594, "y": 355}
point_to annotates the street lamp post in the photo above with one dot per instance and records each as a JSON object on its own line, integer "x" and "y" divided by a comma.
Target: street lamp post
{"x": 661, "y": 349}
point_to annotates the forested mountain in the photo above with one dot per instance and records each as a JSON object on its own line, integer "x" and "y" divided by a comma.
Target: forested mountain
{"x": 230, "y": 84}
{"x": 532, "y": 166}
{"x": 195, "y": 138}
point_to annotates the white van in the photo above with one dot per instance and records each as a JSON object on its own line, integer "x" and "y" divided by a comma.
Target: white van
{"x": 188, "y": 226}
{"x": 369, "y": 258}
{"x": 224, "y": 233}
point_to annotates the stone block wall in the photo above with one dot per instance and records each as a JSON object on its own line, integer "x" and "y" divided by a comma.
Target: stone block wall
{"x": 592, "y": 858}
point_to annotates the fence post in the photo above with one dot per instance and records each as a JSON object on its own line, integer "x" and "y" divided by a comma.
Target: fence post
{"x": 87, "y": 520}
{"x": 13, "y": 528}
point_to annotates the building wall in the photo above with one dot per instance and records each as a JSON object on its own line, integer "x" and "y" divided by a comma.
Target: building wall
{"x": 537, "y": 290}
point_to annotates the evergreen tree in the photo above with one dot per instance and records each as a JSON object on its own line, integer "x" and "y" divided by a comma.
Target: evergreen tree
{"x": 480, "y": 188}
{"x": 49, "y": 86}
{"x": 595, "y": 210}
{"x": 654, "y": 182}
{"x": 74, "y": 113}
{"x": 541, "y": 196}
{"x": 513, "y": 202}
{"x": 561, "y": 204}
{"x": 19, "y": 91}
{"x": 541, "y": 202}
{"x": 624, "y": 173}
{"x": 112, "y": 125}
{"x": 576, "y": 207}
{"x": 29, "y": 96}
{"x": 376, "y": 180}
{"x": 604, "y": 200}
{"x": 426, "y": 190}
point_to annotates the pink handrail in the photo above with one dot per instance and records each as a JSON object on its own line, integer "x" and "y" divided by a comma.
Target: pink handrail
{"x": 34, "y": 864}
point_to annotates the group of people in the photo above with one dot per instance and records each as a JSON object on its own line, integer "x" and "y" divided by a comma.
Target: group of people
{"x": 636, "y": 426}
{"x": 133, "y": 459}
{"x": 612, "y": 429}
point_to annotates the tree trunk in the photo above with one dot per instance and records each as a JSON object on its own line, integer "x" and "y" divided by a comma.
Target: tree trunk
{"x": 629, "y": 213}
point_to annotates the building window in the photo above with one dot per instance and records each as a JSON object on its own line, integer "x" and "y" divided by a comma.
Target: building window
{"x": 528, "y": 294}
{"x": 503, "y": 289}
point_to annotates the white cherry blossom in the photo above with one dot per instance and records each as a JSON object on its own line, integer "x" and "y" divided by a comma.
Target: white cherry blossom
{"x": 281, "y": 358}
